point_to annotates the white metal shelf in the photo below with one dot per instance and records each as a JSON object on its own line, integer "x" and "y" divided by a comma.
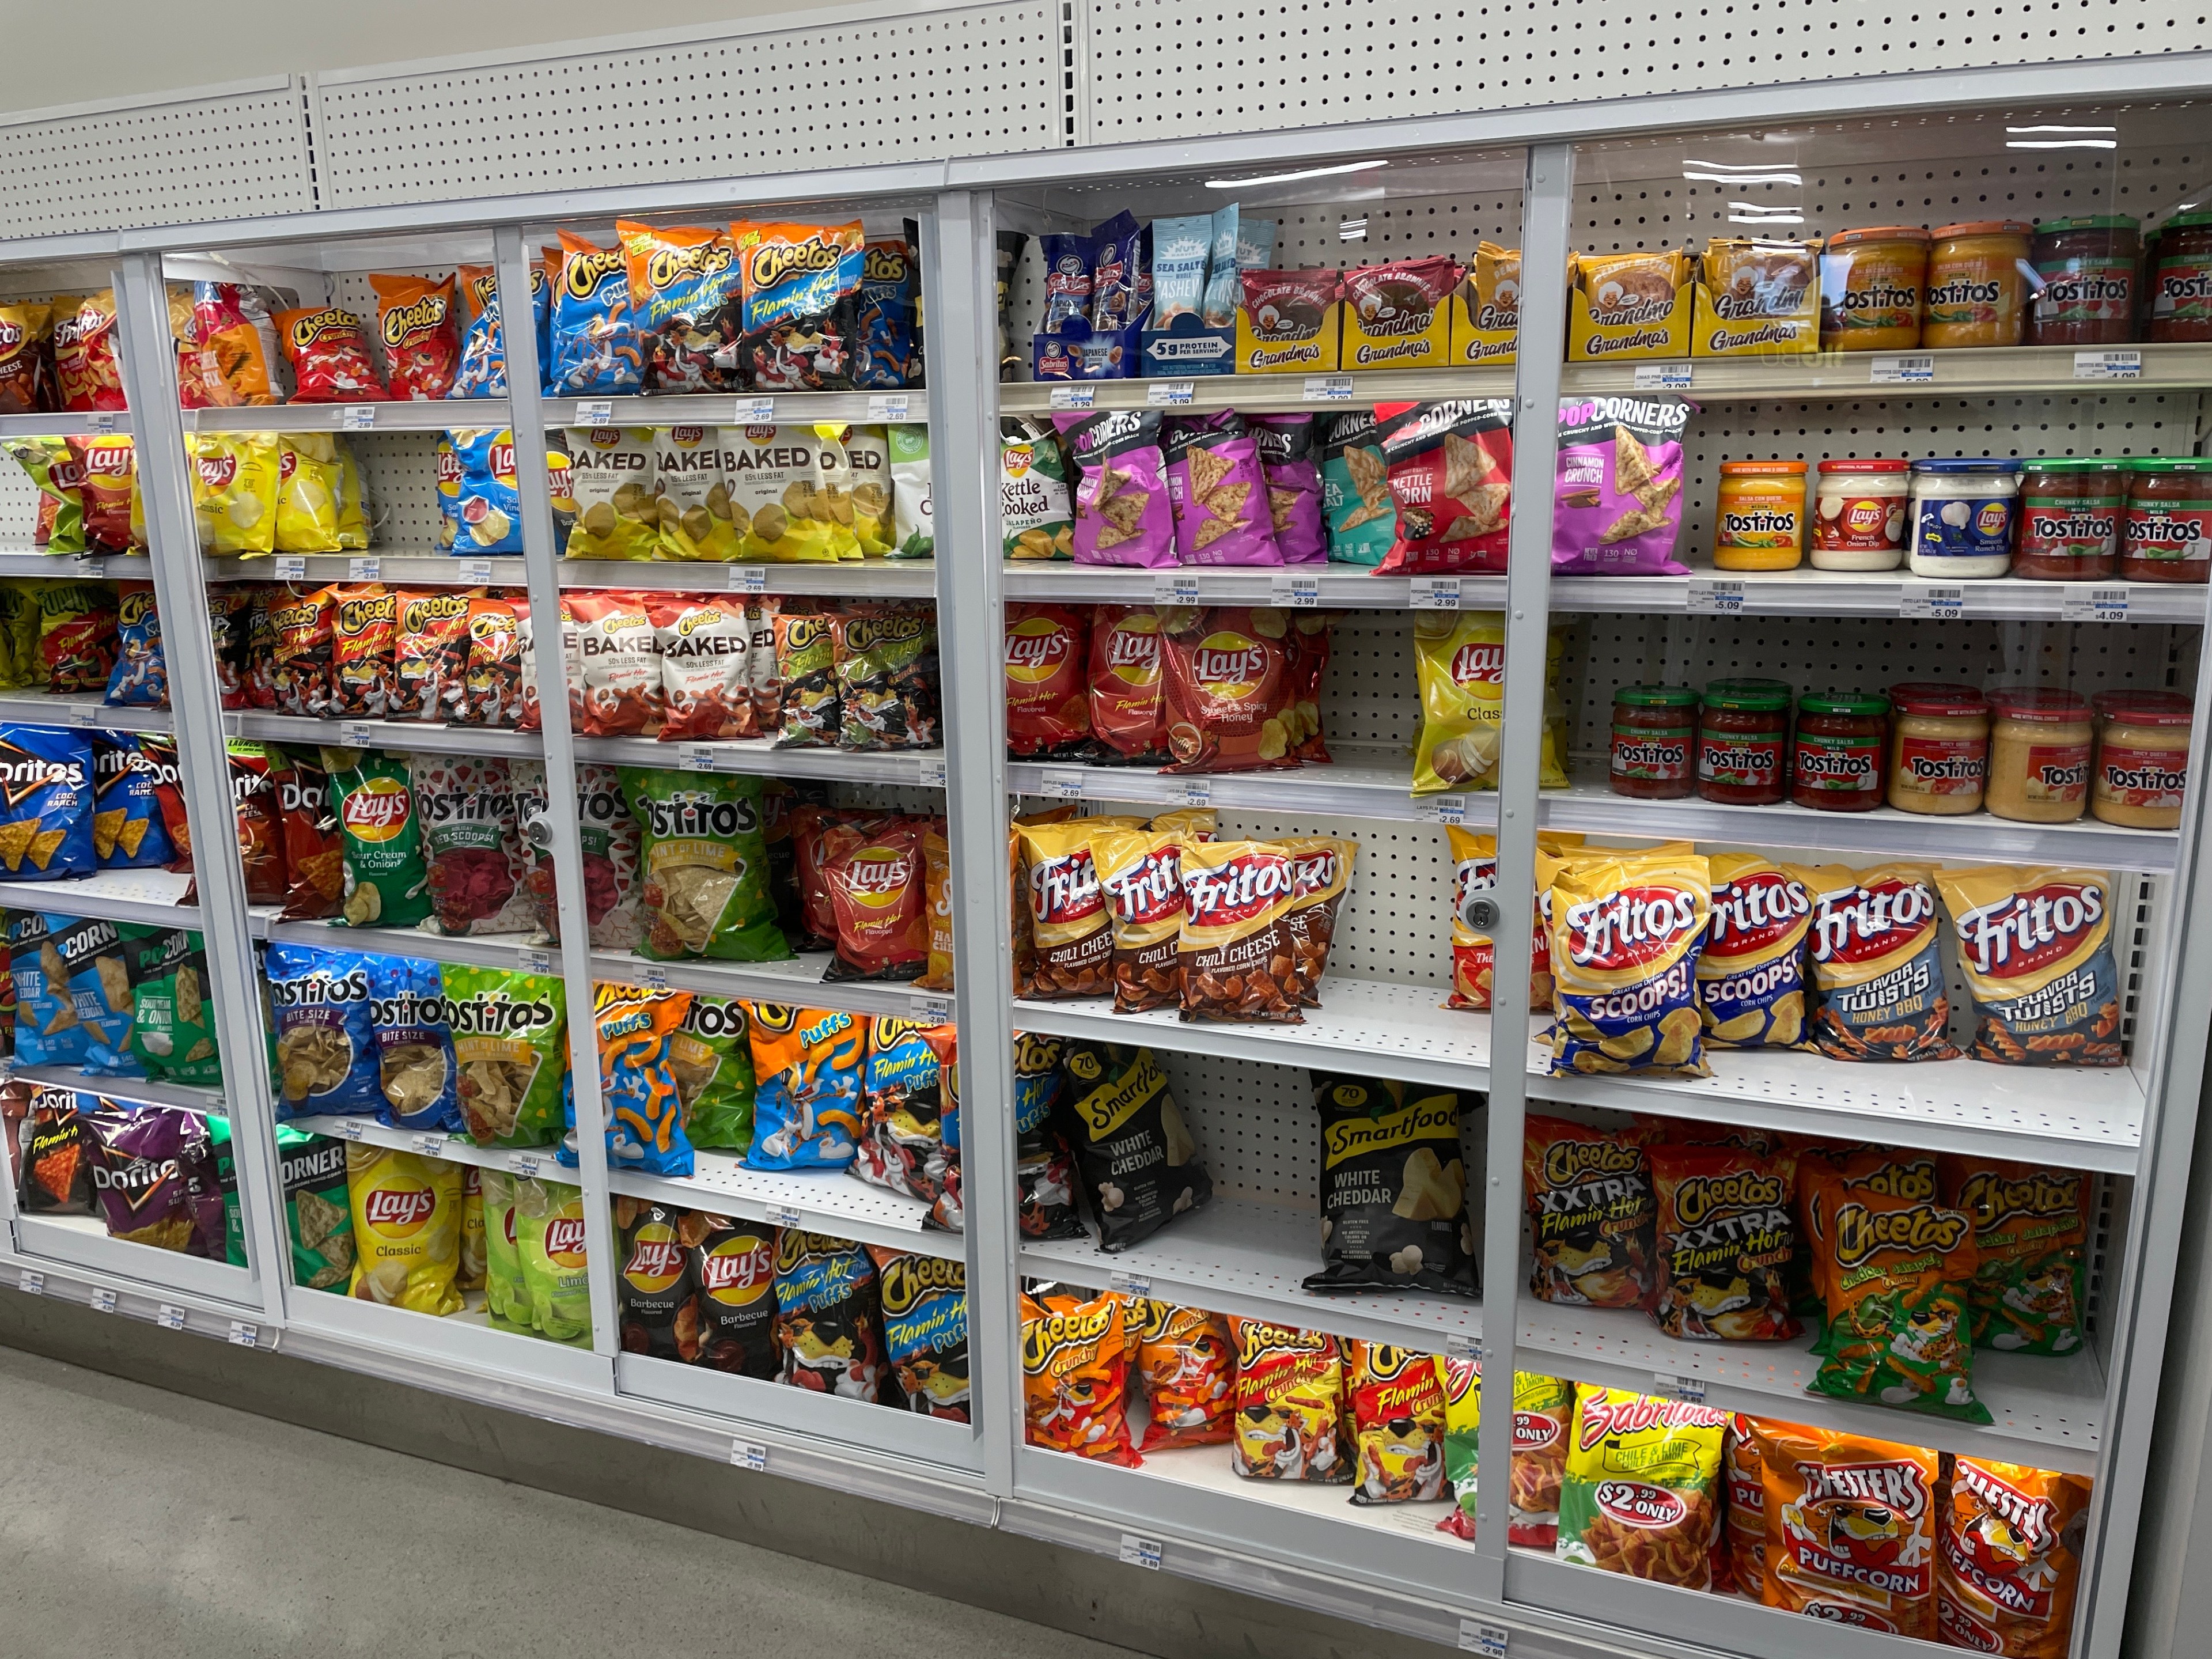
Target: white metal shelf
{"x": 760, "y": 757}
{"x": 435, "y": 736}
{"x": 64, "y": 423}
{"x": 142, "y": 895}
{"x": 1806, "y": 591}
{"x": 129, "y": 1090}
{"x": 84, "y": 709}
{"x": 797, "y": 982}
{"x": 103, "y": 1286}
{"x": 37, "y": 562}
{"x": 399, "y": 569}
{"x": 508, "y": 950}
{"x": 431, "y": 1143}
{"x": 874, "y": 578}
{"x": 1362, "y": 783}
{"x": 2048, "y": 1409}
{"x": 821, "y": 1200}
{"x": 1341, "y": 587}
{"x": 386, "y": 416}
{"x": 888, "y": 1431}
{"x": 1250, "y": 1259}
{"x": 737, "y": 408}
{"x": 82, "y": 1240}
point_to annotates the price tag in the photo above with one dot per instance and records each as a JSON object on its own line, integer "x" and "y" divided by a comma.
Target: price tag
{"x": 1672, "y": 1387}
{"x": 1170, "y": 391}
{"x": 930, "y": 771}
{"x": 933, "y": 1011}
{"x": 1198, "y": 792}
{"x": 595, "y": 411}
{"x": 88, "y": 714}
{"x": 1130, "y": 1283}
{"x": 783, "y": 1215}
{"x": 526, "y": 1164}
{"x": 1434, "y": 593}
{"x": 1074, "y": 396}
{"x": 356, "y": 734}
{"x": 367, "y": 570}
{"x": 1463, "y": 1347}
{"x": 1063, "y": 783}
{"x": 536, "y": 962}
{"x": 1299, "y": 592}
{"x": 169, "y": 1316}
{"x": 747, "y": 579}
{"x": 1709, "y": 597}
{"x": 1140, "y": 1552}
{"x": 99, "y": 420}
{"x": 1935, "y": 599}
{"x": 891, "y": 408}
{"x": 1447, "y": 810}
{"x": 748, "y": 1455}
{"x": 353, "y": 1128}
{"x": 244, "y": 1334}
{"x": 654, "y": 976}
{"x": 760, "y": 410}
{"x": 1328, "y": 388}
{"x": 1900, "y": 371}
{"x": 89, "y": 564}
{"x": 2094, "y": 604}
{"x": 699, "y": 756}
{"x": 33, "y": 1282}
{"x": 103, "y": 1299}
{"x": 290, "y": 569}
{"x": 1175, "y": 590}
{"x": 1660, "y": 377}
{"x": 429, "y": 1145}
{"x": 1478, "y": 1638}
{"x": 357, "y": 417}
{"x": 475, "y": 573}
{"x": 2108, "y": 365}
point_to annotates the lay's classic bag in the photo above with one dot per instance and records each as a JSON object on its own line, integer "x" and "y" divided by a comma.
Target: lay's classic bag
{"x": 1877, "y": 964}
{"x": 2036, "y": 947}
{"x": 406, "y": 1228}
{"x": 1626, "y": 932}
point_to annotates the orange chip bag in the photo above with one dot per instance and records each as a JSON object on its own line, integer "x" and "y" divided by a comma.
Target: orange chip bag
{"x": 421, "y": 338}
{"x": 364, "y": 620}
{"x": 1290, "y": 1405}
{"x": 1397, "y": 1425}
{"x": 1188, "y": 1361}
{"x": 2009, "y": 1558}
{"x": 1723, "y": 1243}
{"x": 1745, "y": 1534}
{"x": 1075, "y": 1377}
{"x": 24, "y": 330}
{"x": 1851, "y": 1527}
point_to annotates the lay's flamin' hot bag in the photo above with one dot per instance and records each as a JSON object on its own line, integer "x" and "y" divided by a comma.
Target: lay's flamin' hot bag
{"x": 1627, "y": 931}
{"x": 1751, "y": 974}
{"x": 2036, "y": 947}
{"x": 1877, "y": 964}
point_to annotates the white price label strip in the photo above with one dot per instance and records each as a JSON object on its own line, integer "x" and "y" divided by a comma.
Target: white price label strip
{"x": 1175, "y": 590}
{"x": 536, "y": 962}
{"x": 103, "y": 1299}
{"x": 102, "y": 420}
{"x": 88, "y": 715}
{"x": 2094, "y": 604}
{"x": 33, "y": 1282}
{"x": 1716, "y": 598}
{"x": 1661, "y": 377}
{"x": 475, "y": 573}
{"x": 929, "y": 771}
{"x": 1463, "y": 1347}
{"x": 526, "y": 1164}
{"x": 1074, "y": 396}
{"x": 1328, "y": 388}
{"x": 356, "y": 734}
{"x": 1198, "y": 792}
{"x": 747, "y": 579}
{"x": 1138, "y": 1551}
{"x": 888, "y": 409}
{"x": 654, "y": 976}
{"x": 1900, "y": 371}
{"x": 1943, "y": 602}
{"x": 353, "y": 1128}
{"x": 1170, "y": 391}
{"x": 595, "y": 411}
{"x": 1477, "y": 1638}
{"x": 1299, "y": 592}
{"x": 2108, "y": 365}
{"x": 932, "y": 1012}
{"x": 1447, "y": 810}
{"x": 366, "y": 570}
{"x": 748, "y": 1455}
{"x": 699, "y": 758}
{"x": 1434, "y": 593}
{"x": 169, "y": 1316}
{"x": 783, "y": 1215}
{"x": 429, "y": 1145}
{"x": 357, "y": 417}
{"x": 761, "y": 409}
{"x": 1130, "y": 1283}
{"x": 244, "y": 1334}
{"x": 1672, "y": 1387}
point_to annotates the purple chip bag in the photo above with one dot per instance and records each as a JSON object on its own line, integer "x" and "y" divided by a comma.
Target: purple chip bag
{"x": 1220, "y": 491}
{"x": 1123, "y": 514}
{"x": 155, "y": 1177}
{"x": 1069, "y": 260}
{"x": 1114, "y": 266}
{"x": 1618, "y": 498}
{"x": 1286, "y": 455}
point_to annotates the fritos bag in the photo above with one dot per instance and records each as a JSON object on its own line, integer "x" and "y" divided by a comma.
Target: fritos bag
{"x": 1290, "y": 1405}
{"x": 1877, "y": 964}
{"x": 1048, "y": 708}
{"x": 2031, "y": 1230}
{"x": 1751, "y": 974}
{"x": 1474, "y": 887}
{"x": 1641, "y": 1490}
{"x": 1450, "y": 470}
{"x": 2009, "y": 1558}
{"x": 1066, "y": 910}
{"x": 1075, "y": 1376}
{"x": 1851, "y": 1527}
{"x": 1627, "y": 931}
{"x": 1592, "y": 1214}
{"x": 1234, "y": 947}
{"x": 406, "y": 1229}
{"x": 1724, "y": 1242}
{"x": 328, "y": 350}
{"x": 1125, "y": 682}
{"x": 88, "y": 364}
{"x": 1139, "y": 872}
{"x": 2036, "y": 949}
{"x": 1223, "y": 668}
{"x": 417, "y": 322}
{"x": 1187, "y": 1359}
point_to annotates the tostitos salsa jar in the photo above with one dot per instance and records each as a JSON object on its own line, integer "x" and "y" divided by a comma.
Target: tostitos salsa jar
{"x": 1743, "y": 743}
{"x": 1871, "y": 282}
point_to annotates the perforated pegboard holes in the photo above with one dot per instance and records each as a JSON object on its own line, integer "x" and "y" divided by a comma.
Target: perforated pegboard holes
{"x": 981, "y": 80}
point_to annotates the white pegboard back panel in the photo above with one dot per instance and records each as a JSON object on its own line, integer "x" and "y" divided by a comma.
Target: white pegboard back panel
{"x": 181, "y": 158}
{"x": 909, "y": 85}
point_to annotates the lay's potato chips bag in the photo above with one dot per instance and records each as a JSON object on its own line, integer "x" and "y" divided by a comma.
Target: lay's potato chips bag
{"x": 2032, "y": 1229}
{"x": 1877, "y": 964}
{"x": 235, "y": 484}
{"x": 1851, "y": 1527}
{"x": 406, "y": 1228}
{"x": 1751, "y": 974}
{"x": 2009, "y": 1558}
{"x": 306, "y": 493}
{"x": 2036, "y": 947}
{"x": 1626, "y": 932}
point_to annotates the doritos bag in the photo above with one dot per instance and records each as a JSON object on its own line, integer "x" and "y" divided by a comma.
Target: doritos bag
{"x": 2030, "y": 1293}
{"x": 1724, "y": 1242}
{"x": 1751, "y": 974}
{"x": 1591, "y": 1214}
{"x": 2035, "y": 947}
{"x": 1139, "y": 1164}
{"x": 315, "y": 849}
{"x": 1877, "y": 964}
{"x": 127, "y": 832}
{"x": 637, "y": 1085}
{"x": 1851, "y": 1527}
{"x": 1641, "y": 1490}
{"x": 1187, "y": 1359}
{"x": 829, "y": 1310}
{"x": 806, "y": 1111}
{"x": 1626, "y": 932}
{"x": 510, "y": 1051}
{"x": 328, "y": 350}
{"x": 56, "y": 1156}
{"x": 46, "y": 802}
{"x": 1450, "y": 470}
{"x": 1075, "y": 1375}
{"x": 2009, "y": 1543}
{"x": 1290, "y": 1405}
{"x": 325, "y": 1047}
{"x": 1394, "y": 1188}
{"x": 925, "y": 1305}
{"x": 416, "y": 320}
{"x": 1397, "y": 1425}
{"x": 417, "y": 1078}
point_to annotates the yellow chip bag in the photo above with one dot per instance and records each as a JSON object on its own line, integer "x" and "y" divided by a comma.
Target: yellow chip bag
{"x": 1475, "y": 896}
{"x": 1751, "y": 974}
{"x": 353, "y": 502}
{"x": 1626, "y": 932}
{"x": 306, "y": 493}
{"x": 1641, "y": 1490}
{"x": 406, "y": 1229}
{"x": 1460, "y": 657}
{"x": 234, "y": 479}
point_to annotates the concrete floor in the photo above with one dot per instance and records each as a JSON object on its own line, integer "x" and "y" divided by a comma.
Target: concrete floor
{"x": 133, "y": 1520}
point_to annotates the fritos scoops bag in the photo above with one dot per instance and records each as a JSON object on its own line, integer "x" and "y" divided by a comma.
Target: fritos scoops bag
{"x": 1641, "y": 1492}
{"x": 1627, "y": 931}
{"x": 1394, "y": 1188}
{"x": 1724, "y": 1242}
{"x": 1591, "y": 1214}
{"x": 2009, "y": 1558}
{"x": 2036, "y": 949}
{"x": 2031, "y": 1228}
{"x": 406, "y": 1228}
{"x": 1075, "y": 1376}
{"x": 1234, "y": 946}
{"x": 1397, "y": 1425}
{"x": 1474, "y": 888}
{"x": 1451, "y": 469}
{"x": 1751, "y": 974}
{"x": 1877, "y": 964}
{"x": 1851, "y": 1527}
{"x": 1290, "y": 1405}
{"x": 1188, "y": 1361}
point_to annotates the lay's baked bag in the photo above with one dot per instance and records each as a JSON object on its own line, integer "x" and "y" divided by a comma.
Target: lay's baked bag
{"x": 1877, "y": 964}
{"x": 2036, "y": 947}
{"x": 1751, "y": 974}
{"x": 1626, "y": 932}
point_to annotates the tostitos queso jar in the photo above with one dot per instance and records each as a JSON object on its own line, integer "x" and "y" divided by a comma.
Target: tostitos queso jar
{"x": 1758, "y": 523}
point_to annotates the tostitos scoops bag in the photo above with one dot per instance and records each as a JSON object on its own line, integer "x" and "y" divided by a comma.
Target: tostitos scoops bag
{"x": 1618, "y": 498}
{"x": 1626, "y": 932}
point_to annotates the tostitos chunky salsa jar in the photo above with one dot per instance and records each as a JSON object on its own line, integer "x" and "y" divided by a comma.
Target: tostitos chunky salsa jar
{"x": 1743, "y": 743}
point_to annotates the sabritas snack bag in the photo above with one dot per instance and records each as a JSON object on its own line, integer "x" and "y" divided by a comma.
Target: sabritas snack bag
{"x": 1075, "y": 1376}
{"x": 1543, "y": 1411}
{"x": 1851, "y": 1527}
{"x": 1590, "y": 1213}
{"x": 2009, "y": 1558}
{"x": 2031, "y": 1228}
{"x": 1641, "y": 1492}
{"x": 406, "y": 1228}
{"x": 1626, "y": 932}
{"x": 1751, "y": 974}
{"x": 1877, "y": 964}
{"x": 2036, "y": 948}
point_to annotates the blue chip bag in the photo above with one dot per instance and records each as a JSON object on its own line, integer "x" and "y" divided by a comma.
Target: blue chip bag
{"x": 806, "y": 1109}
{"x": 482, "y": 369}
{"x": 46, "y": 803}
{"x": 1628, "y": 929}
{"x": 1070, "y": 265}
{"x": 127, "y": 831}
{"x": 139, "y": 679}
{"x": 637, "y": 1084}
{"x": 417, "y": 1081}
{"x": 596, "y": 348}
{"x": 889, "y": 286}
{"x": 325, "y": 1047}
{"x": 1752, "y": 981}
{"x": 47, "y": 1030}
{"x": 488, "y": 510}
{"x": 98, "y": 954}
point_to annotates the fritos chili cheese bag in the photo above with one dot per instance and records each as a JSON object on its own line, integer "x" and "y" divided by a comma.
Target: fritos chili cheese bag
{"x": 1048, "y": 710}
{"x": 1125, "y": 684}
{"x": 1075, "y": 1377}
{"x": 2009, "y": 1558}
{"x": 1223, "y": 668}
{"x": 1894, "y": 1267}
{"x": 1188, "y": 1361}
{"x": 1724, "y": 1238}
{"x": 1751, "y": 974}
{"x": 1626, "y": 932}
{"x": 2031, "y": 1230}
{"x": 1140, "y": 872}
{"x": 1066, "y": 910}
{"x": 1877, "y": 964}
{"x": 1234, "y": 946}
{"x": 1850, "y": 1528}
{"x": 1290, "y": 1405}
{"x": 1321, "y": 875}
{"x": 1397, "y": 1425}
{"x": 1475, "y": 892}
{"x": 415, "y": 319}
{"x": 1641, "y": 1490}
{"x": 1591, "y": 1214}
{"x": 2036, "y": 948}
{"x": 328, "y": 350}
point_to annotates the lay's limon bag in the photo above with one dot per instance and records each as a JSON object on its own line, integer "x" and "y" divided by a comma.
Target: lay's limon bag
{"x": 406, "y": 1228}
{"x": 306, "y": 493}
{"x": 2036, "y": 947}
{"x": 549, "y": 1237}
{"x": 1751, "y": 974}
{"x": 1626, "y": 932}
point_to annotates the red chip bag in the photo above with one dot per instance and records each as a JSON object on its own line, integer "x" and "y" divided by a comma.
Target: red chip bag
{"x": 430, "y": 652}
{"x": 495, "y": 670}
{"x": 533, "y": 712}
{"x": 1308, "y": 661}
{"x": 223, "y": 361}
{"x": 253, "y": 771}
{"x": 1125, "y": 680}
{"x": 87, "y": 371}
{"x": 301, "y": 654}
{"x": 1222, "y": 667}
{"x": 473, "y": 843}
{"x": 363, "y": 620}
{"x": 261, "y": 643}
{"x": 1048, "y": 711}
{"x": 705, "y": 643}
{"x": 620, "y": 652}
{"x": 937, "y": 862}
{"x": 109, "y": 466}
{"x": 1450, "y": 468}
{"x": 314, "y": 854}
{"x": 879, "y": 894}
{"x": 228, "y": 607}
{"x": 159, "y": 754}
{"x": 421, "y": 344}
{"x": 329, "y": 354}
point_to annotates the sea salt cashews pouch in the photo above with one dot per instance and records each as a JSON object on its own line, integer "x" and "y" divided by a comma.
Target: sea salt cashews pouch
{"x": 1626, "y": 932}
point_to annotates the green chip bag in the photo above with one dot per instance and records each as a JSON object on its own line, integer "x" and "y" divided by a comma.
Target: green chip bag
{"x": 311, "y": 1172}
{"x": 47, "y": 460}
{"x": 548, "y": 1237}
{"x": 704, "y": 861}
{"x": 23, "y": 615}
{"x": 711, "y": 1054}
{"x": 226, "y": 1178}
{"x": 173, "y": 1030}
{"x": 914, "y": 534}
{"x": 1035, "y": 513}
{"x": 506, "y": 1298}
{"x": 386, "y": 882}
{"x": 510, "y": 1052}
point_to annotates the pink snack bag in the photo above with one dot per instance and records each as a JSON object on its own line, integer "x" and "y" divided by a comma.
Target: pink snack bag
{"x": 1618, "y": 486}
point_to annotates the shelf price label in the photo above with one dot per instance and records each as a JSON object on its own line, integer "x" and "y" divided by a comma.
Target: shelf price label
{"x": 367, "y": 570}
{"x": 356, "y": 734}
{"x": 758, "y": 411}
{"x": 748, "y": 1455}
{"x": 2094, "y": 604}
{"x": 1461, "y": 1346}
{"x": 292, "y": 568}
{"x": 103, "y": 1299}
{"x": 1130, "y": 1283}
{"x": 2108, "y": 365}
{"x": 353, "y": 1128}
{"x": 88, "y": 714}
{"x": 475, "y": 573}
{"x": 595, "y": 411}
{"x": 1709, "y": 597}
{"x": 654, "y": 976}
{"x": 536, "y": 962}
{"x": 1175, "y": 590}
{"x": 1198, "y": 792}
{"x": 1139, "y": 1551}
{"x": 1328, "y": 389}
{"x": 1670, "y": 1385}
{"x": 99, "y": 420}
{"x": 699, "y": 756}
{"x": 1446, "y": 809}
{"x": 891, "y": 408}
{"x": 783, "y": 1215}
{"x": 933, "y": 1011}
{"x": 32, "y": 1283}
{"x": 1434, "y": 593}
{"x": 1298, "y": 592}
{"x": 1475, "y": 1637}
{"x": 1074, "y": 396}
{"x": 1901, "y": 371}
{"x": 169, "y": 1316}
{"x": 244, "y": 1333}
{"x": 1174, "y": 392}
{"x": 747, "y": 579}
{"x": 526, "y": 1164}
{"x": 429, "y": 1145}
{"x": 1064, "y": 782}
{"x": 1662, "y": 377}
{"x": 930, "y": 771}
{"x": 357, "y": 417}
{"x": 1941, "y": 601}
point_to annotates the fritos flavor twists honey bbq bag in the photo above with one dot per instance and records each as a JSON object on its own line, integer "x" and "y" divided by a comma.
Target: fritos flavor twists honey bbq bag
{"x": 1877, "y": 964}
{"x": 2035, "y": 947}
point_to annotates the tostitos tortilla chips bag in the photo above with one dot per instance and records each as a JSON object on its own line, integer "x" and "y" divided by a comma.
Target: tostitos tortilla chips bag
{"x": 1626, "y": 932}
